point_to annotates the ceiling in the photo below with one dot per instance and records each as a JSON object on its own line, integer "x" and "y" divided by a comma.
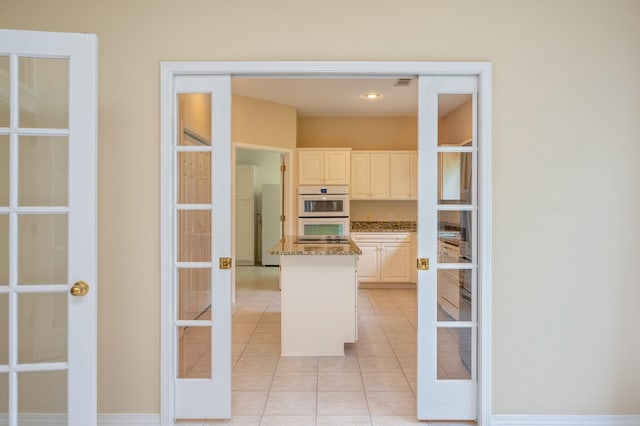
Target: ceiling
{"x": 341, "y": 97}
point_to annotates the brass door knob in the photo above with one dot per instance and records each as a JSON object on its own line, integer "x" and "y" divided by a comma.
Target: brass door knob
{"x": 80, "y": 288}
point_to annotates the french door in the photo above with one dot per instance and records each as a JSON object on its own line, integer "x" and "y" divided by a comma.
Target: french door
{"x": 200, "y": 275}
{"x": 447, "y": 239}
{"x": 48, "y": 113}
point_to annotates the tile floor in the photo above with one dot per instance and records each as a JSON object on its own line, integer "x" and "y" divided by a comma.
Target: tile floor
{"x": 374, "y": 384}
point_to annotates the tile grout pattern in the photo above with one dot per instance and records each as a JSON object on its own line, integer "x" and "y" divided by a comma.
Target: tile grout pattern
{"x": 373, "y": 384}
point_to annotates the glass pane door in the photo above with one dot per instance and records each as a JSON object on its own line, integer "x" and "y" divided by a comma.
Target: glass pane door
{"x": 448, "y": 214}
{"x": 201, "y": 157}
{"x": 42, "y": 250}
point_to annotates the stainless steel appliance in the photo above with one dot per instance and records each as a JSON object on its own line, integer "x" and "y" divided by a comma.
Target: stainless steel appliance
{"x": 323, "y": 201}
{"x": 466, "y": 288}
{"x": 323, "y": 210}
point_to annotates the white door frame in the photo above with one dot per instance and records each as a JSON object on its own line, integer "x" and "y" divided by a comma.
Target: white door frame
{"x": 334, "y": 69}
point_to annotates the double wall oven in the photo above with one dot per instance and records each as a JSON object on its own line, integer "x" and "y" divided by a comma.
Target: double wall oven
{"x": 323, "y": 210}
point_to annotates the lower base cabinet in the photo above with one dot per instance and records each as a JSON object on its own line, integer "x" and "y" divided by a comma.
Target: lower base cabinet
{"x": 386, "y": 257}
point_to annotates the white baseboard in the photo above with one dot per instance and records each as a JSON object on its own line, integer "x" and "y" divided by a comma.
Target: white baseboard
{"x": 528, "y": 420}
{"x": 103, "y": 420}
{"x": 128, "y": 419}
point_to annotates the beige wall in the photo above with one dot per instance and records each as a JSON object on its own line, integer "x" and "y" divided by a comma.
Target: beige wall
{"x": 566, "y": 93}
{"x": 363, "y": 210}
{"x": 259, "y": 122}
{"x": 363, "y": 133}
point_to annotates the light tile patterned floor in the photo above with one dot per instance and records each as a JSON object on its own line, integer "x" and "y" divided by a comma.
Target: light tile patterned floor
{"x": 373, "y": 385}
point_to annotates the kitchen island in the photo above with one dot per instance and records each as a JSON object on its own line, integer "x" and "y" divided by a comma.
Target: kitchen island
{"x": 319, "y": 289}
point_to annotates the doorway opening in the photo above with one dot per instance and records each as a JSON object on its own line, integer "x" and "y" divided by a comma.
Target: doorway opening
{"x": 424, "y": 69}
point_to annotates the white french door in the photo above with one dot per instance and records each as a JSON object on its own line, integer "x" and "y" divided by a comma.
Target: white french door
{"x": 200, "y": 275}
{"x": 48, "y": 124}
{"x": 448, "y": 237}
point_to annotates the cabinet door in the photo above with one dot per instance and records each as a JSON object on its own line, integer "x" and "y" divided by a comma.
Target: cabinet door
{"x": 337, "y": 166}
{"x": 395, "y": 262}
{"x": 310, "y": 167}
{"x": 360, "y": 171}
{"x": 401, "y": 176}
{"x": 368, "y": 262}
{"x": 379, "y": 176}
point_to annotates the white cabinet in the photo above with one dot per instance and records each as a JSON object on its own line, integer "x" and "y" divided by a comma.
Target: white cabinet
{"x": 384, "y": 175}
{"x": 448, "y": 279}
{"x": 324, "y": 166}
{"x": 403, "y": 175}
{"x": 369, "y": 176}
{"x": 386, "y": 256}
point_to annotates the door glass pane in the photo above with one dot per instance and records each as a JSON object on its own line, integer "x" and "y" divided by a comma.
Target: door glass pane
{"x": 454, "y": 177}
{"x": 455, "y": 119}
{"x": 44, "y": 92}
{"x": 194, "y": 178}
{"x": 194, "y": 119}
{"x": 42, "y": 249}
{"x": 194, "y": 296}
{"x": 4, "y": 329}
{"x": 454, "y": 237}
{"x": 454, "y": 295}
{"x": 43, "y": 171}
{"x": 4, "y": 91}
{"x": 4, "y": 249}
{"x": 42, "y": 327}
{"x": 43, "y": 392}
{"x": 4, "y": 170}
{"x": 194, "y": 352}
{"x": 4, "y": 398}
{"x": 454, "y": 353}
{"x": 194, "y": 236}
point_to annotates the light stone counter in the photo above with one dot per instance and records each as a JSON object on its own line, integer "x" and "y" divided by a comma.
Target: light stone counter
{"x": 383, "y": 226}
{"x": 289, "y": 248}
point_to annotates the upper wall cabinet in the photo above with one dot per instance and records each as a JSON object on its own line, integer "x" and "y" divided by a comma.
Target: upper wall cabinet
{"x": 384, "y": 175}
{"x": 369, "y": 176}
{"x": 404, "y": 175}
{"x": 324, "y": 166}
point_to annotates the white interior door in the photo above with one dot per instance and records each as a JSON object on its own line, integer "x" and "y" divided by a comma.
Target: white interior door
{"x": 48, "y": 139}
{"x": 448, "y": 237}
{"x": 202, "y": 230}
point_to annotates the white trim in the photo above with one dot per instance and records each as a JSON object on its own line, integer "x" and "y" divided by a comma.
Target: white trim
{"x": 562, "y": 420}
{"x": 128, "y": 419}
{"x": 167, "y": 391}
{"x": 169, "y": 70}
{"x": 484, "y": 222}
{"x": 50, "y": 419}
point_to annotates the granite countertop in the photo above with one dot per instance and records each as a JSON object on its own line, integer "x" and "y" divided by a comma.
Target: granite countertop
{"x": 383, "y": 226}
{"x": 288, "y": 247}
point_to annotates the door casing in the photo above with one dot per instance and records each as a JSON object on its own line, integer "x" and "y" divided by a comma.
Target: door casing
{"x": 328, "y": 70}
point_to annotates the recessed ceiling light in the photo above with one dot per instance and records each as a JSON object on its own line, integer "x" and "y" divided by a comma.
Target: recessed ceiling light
{"x": 372, "y": 96}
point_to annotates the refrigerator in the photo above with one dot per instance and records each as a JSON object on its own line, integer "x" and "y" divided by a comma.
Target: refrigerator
{"x": 270, "y": 222}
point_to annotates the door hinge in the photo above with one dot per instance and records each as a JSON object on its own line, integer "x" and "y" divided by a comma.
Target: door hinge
{"x": 225, "y": 263}
{"x": 283, "y": 168}
{"x": 423, "y": 263}
{"x": 281, "y": 218}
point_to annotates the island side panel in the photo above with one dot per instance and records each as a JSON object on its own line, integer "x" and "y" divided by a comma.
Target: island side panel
{"x": 318, "y": 304}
